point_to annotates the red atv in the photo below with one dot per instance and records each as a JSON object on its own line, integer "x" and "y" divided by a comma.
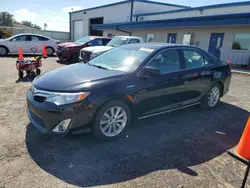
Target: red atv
{"x": 31, "y": 66}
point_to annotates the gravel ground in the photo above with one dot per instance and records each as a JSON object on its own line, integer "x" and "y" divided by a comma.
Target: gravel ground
{"x": 186, "y": 148}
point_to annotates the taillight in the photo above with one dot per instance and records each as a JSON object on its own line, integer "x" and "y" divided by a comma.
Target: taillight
{"x": 57, "y": 42}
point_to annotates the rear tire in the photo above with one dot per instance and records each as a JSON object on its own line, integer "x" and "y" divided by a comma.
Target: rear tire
{"x": 50, "y": 51}
{"x": 109, "y": 127}
{"x": 212, "y": 98}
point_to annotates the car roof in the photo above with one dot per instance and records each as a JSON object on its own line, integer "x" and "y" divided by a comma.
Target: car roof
{"x": 31, "y": 34}
{"x": 95, "y": 37}
{"x": 133, "y": 37}
{"x": 157, "y": 46}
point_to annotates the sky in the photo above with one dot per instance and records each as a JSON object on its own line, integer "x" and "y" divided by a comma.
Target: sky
{"x": 55, "y": 12}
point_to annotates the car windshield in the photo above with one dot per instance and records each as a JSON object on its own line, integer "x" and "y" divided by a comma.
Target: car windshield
{"x": 121, "y": 59}
{"x": 83, "y": 40}
{"x": 117, "y": 41}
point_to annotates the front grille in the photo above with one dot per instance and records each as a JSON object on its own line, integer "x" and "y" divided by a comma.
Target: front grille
{"x": 39, "y": 98}
{"x": 85, "y": 56}
{"x": 37, "y": 118}
{"x": 39, "y": 95}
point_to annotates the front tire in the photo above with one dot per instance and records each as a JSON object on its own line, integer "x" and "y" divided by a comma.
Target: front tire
{"x": 3, "y": 51}
{"x": 111, "y": 120}
{"x": 212, "y": 98}
{"x": 75, "y": 58}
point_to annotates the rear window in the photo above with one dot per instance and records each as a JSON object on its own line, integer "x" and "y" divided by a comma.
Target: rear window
{"x": 117, "y": 41}
{"x": 43, "y": 38}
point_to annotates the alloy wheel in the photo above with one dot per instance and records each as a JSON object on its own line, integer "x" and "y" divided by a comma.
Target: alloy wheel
{"x": 49, "y": 51}
{"x": 214, "y": 96}
{"x": 3, "y": 51}
{"x": 113, "y": 121}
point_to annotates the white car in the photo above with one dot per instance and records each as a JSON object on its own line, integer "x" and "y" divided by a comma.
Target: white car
{"x": 30, "y": 43}
{"x": 86, "y": 54}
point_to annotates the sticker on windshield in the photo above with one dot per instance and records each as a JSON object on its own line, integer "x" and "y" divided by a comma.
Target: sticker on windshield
{"x": 123, "y": 39}
{"x": 146, "y": 49}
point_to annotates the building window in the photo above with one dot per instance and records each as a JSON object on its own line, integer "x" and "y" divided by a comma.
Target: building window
{"x": 150, "y": 38}
{"x": 241, "y": 42}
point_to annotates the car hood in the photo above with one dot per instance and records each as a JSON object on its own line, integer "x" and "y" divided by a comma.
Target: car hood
{"x": 69, "y": 44}
{"x": 97, "y": 49}
{"x": 73, "y": 78}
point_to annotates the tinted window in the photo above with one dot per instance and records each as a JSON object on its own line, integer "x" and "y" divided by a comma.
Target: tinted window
{"x": 117, "y": 41}
{"x": 96, "y": 42}
{"x": 131, "y": 41}
{"x": 106, "y": 41}
{"x": 42, "y": 38}
{"x": 167, "y": 61}
{"x": 122, "y": 59}
{"x": 20, "y": 38}
{"x": 83, "y": 40}
{"x": 34, "y": 38}
{"x": 194, "y": 59}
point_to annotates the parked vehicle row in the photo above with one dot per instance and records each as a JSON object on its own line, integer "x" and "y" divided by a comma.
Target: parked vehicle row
{"x": 89, "y": 53}
{"x": 30, "y": 43}
{"x": 69, "y": 51}
{"x": 133, "y": 81}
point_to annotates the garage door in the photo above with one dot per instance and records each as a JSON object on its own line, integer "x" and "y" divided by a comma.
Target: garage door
{"x": 78, "y": 29}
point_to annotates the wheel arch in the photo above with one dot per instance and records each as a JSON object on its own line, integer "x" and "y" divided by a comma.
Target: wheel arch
{"x": 221, "y": 84}
{"x": 121, "y": 97}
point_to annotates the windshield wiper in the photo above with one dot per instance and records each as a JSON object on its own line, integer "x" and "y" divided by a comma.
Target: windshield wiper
{"x": 100, "y": 67}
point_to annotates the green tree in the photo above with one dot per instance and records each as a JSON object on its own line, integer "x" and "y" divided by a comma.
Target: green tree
{"x": 6, "y": 19}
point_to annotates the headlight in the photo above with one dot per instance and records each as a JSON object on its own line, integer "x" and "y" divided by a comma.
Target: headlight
{"x": 93, "y": 55}
{"x": 66, "y": 98}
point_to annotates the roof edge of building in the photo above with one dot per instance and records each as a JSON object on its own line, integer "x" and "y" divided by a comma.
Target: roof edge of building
{"x": 127, "y": 1}
{"x": 197, "y": 8}
{"x": 175, "y": 21}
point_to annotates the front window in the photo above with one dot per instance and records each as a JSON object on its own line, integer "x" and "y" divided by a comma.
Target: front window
{"x": 241, "y": 42}
{"x": 117, "y": 41}
{"x": 167, "y": 61}
{"x": 121, "y": 59}
{"x": 83, "y": 40}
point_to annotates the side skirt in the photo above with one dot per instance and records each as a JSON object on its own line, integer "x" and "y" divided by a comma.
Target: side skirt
{"x": 166, "y": 111}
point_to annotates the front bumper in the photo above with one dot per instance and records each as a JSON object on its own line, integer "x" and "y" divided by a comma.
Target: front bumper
{"x": 62, "y": 54}
{"x": 45, "y": 116}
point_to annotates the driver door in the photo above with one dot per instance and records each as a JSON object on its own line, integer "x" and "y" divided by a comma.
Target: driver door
{"x": 164, "y": 91}
{"x": 21, "y": 41}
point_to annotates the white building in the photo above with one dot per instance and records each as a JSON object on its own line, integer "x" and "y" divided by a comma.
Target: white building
{"x": 223, "y": 30}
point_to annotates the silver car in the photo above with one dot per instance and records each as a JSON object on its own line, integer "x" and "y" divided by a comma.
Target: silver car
{"x": 30, "y": 43}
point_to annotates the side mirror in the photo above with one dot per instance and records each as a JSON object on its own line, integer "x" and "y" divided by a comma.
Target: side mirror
{"x": 150, "y": 72}
{"x": 88, "y": 44}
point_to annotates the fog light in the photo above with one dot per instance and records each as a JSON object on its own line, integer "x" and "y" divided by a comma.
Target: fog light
{"x": 62, "y": 127}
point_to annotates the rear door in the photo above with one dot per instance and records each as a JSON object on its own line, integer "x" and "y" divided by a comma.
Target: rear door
{"x": 198, "y": 75}
{"x": 35, "y": 44}
{"x": 162, "y": 92}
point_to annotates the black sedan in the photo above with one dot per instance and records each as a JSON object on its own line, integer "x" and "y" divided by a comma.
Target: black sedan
{"x": 132, "y": 81}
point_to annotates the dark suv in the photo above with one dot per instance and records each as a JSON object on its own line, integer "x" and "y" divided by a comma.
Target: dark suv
{"x": 70, "y": 50}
